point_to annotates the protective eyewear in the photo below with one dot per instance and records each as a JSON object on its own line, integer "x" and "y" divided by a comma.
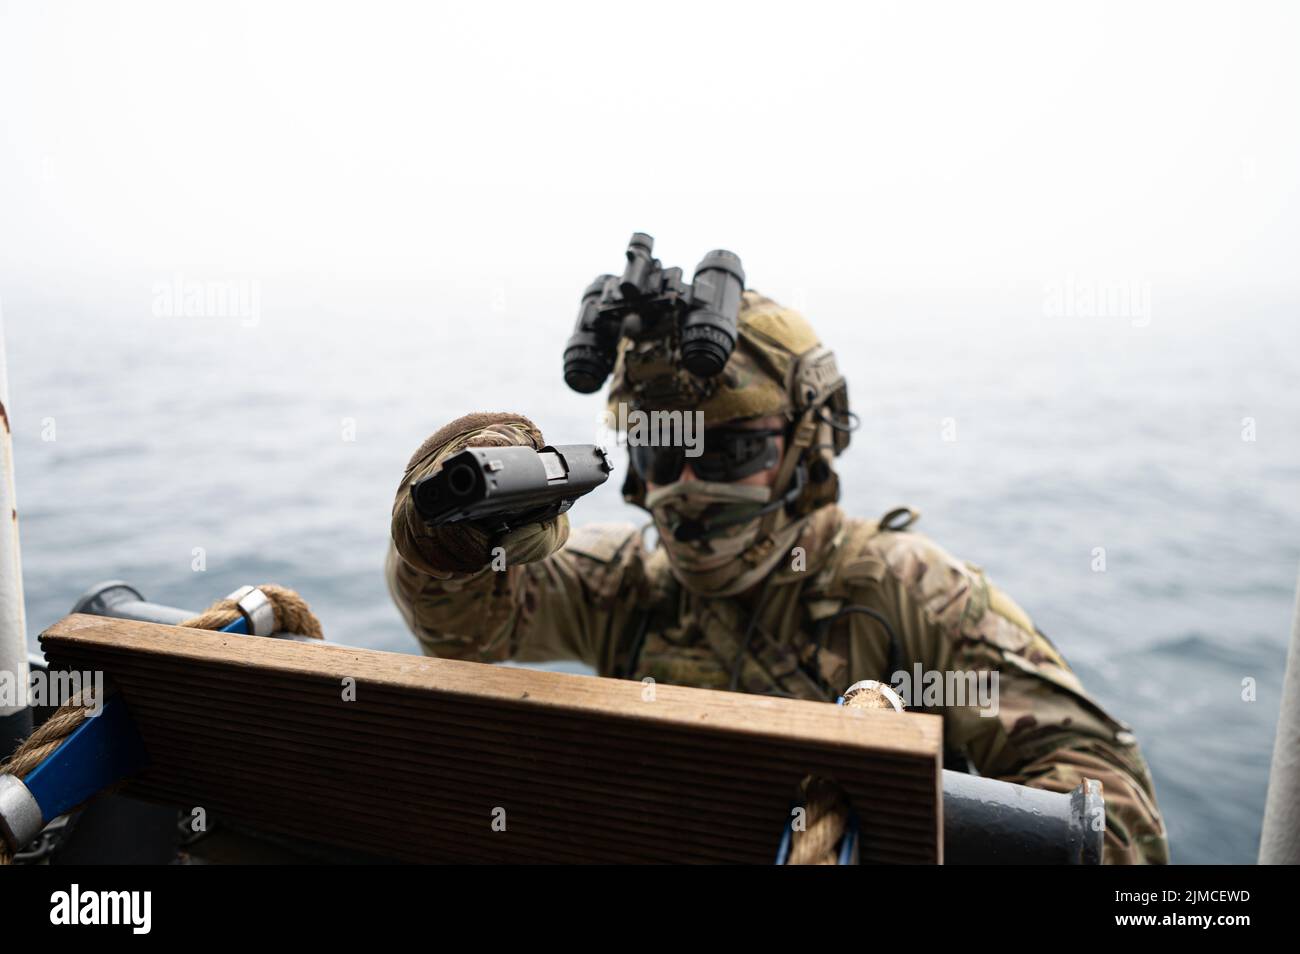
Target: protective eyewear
{"x": 728, "y": 454}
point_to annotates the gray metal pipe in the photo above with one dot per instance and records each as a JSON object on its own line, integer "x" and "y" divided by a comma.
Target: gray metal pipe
{"x": 1279, "y": 841}
{"x": 991, "y": 822}
{"x": 123, "y": 601}
{"x": 985, "y": 821}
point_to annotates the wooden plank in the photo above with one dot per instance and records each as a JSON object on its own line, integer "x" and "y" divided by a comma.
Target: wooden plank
{"x": 586, "y": 769}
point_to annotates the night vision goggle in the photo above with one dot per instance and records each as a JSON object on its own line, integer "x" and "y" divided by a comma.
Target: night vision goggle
{"x": 650, "y": 301}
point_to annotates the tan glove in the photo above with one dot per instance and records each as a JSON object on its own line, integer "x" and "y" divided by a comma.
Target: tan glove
{"x": 465, "y": 548}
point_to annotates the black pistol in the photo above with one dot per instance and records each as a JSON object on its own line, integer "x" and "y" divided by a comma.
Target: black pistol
{"x": 507, "y": 487}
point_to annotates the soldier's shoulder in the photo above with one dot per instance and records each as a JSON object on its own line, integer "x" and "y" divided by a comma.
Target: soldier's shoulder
{"x": 916, "y": 561}
{"x": 891, "y": 547}
{"x": 891, "y": 553}
{"x": 958, "y": 596}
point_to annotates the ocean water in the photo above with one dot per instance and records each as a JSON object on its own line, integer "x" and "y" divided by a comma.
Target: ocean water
{"x": 189, "y": 455}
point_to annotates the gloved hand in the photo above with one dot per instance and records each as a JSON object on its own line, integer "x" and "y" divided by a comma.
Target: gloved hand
{"x": 465, "y": 548}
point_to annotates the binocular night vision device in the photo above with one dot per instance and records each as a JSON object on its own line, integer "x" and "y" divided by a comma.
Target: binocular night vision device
{"x": 649, "y": 301}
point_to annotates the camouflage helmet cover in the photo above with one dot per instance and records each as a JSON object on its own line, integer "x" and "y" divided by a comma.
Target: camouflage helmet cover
{"x": 777, "y": 368}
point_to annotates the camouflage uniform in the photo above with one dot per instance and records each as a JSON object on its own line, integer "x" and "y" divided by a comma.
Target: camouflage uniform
{"x": 605, "y": 599}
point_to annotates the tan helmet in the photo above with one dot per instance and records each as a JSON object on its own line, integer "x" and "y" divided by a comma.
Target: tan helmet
{"x": 778, "y": 367}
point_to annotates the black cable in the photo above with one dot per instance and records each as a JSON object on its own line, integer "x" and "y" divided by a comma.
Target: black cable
{"x": 638, "y": 643}
{"x": 854, "y": 419}
{"x": 759, "y": 606}
{"x": 895, "y": 647}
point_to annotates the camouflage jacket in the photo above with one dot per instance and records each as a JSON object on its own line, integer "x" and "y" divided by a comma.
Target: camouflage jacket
{"x": 608, "y": 601}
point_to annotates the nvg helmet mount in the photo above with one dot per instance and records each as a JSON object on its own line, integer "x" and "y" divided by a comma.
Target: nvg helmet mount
{"x": 648, "y": 300}
{"x": 770, "y": 363}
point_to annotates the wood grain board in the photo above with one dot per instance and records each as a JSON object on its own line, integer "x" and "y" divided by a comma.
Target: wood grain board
{"x": 429, "y": 752}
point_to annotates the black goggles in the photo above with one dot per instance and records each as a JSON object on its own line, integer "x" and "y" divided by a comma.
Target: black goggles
{"x": 729, "y": 453}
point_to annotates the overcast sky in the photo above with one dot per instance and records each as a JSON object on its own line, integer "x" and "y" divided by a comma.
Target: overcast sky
{"x": 901, "y": 144}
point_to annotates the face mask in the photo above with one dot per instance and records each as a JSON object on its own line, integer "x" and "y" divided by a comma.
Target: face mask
{"x": 727, "y": 559}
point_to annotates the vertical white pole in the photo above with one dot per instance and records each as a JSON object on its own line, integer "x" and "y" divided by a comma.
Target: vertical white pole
{"x": 1279, "y": 843}
{"x": 15, "y": 719}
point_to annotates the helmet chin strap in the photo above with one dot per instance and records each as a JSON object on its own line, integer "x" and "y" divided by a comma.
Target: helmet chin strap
{"x": 791, "y": 469}
{"x": 689, "y": 531}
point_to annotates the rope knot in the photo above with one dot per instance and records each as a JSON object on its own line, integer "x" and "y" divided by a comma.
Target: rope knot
{"x": 826, "y": 808}
{"x": 289, "y": 611}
